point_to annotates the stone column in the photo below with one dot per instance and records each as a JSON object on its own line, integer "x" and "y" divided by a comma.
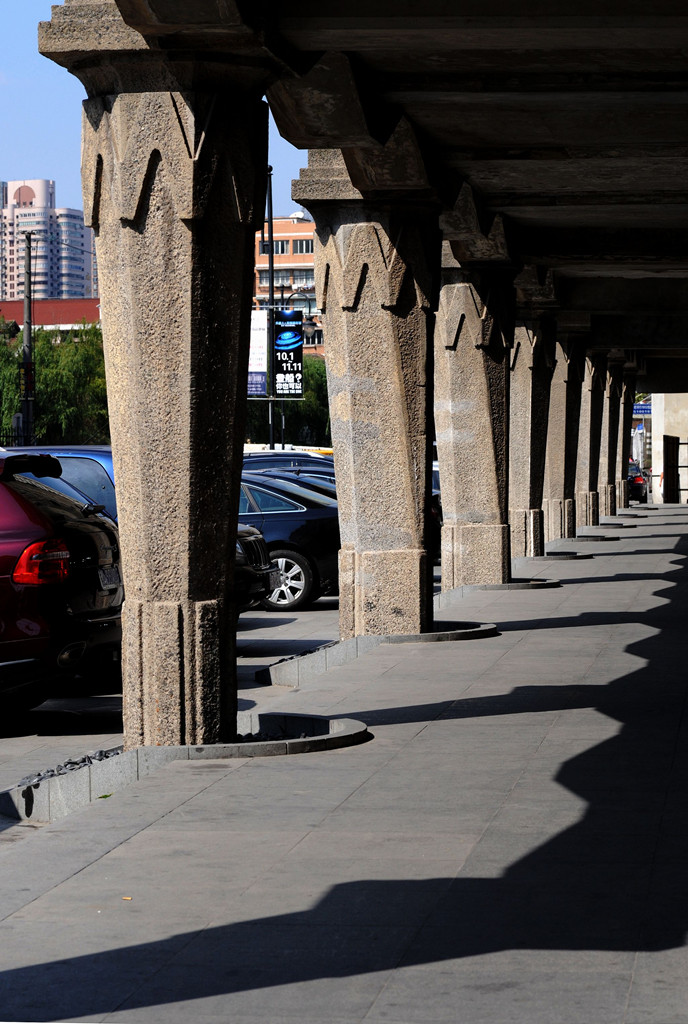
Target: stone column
{"x": 610, "y": 438}
{"x": 624, "y": 442}
{"x": 589, "y": 441}
{"x": 559, "y": 503}
{"x": 472, "y": 346}
{"x": 377, "y": 268}
{"x": 173, "y": 174}
{"x": 532, "y": 365}
{"x": 173, "y": 187}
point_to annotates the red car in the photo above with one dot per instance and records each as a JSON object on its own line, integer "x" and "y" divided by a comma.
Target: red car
{"x": 60, "y": 582}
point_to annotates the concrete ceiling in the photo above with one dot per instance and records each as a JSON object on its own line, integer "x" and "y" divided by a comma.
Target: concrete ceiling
{"x": 560, "y": 140}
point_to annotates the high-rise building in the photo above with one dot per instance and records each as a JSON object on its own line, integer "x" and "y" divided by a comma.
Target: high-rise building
{"x": 63, "y": 264}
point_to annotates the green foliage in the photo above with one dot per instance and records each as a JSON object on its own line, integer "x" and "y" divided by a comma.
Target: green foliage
{"x": 305, "y": 422}
{"x": 70, "y": 406}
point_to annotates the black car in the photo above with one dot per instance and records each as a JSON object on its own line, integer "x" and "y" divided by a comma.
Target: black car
{"x": 637, "y": 483}
{"x": 60, "y": 584}
{"x": 255, "y": 574}
{"x": 323, "y": 483}
{"x": 288, "y": 460}
{"x": 301, "y": 529}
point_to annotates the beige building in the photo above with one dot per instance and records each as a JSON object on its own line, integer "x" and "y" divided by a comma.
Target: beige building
{"x": 294, "y": 271}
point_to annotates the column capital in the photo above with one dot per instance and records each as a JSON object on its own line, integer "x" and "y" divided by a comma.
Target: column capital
{"x": 110, "y": 55}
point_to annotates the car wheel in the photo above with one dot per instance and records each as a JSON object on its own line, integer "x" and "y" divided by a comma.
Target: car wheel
{"x": 297, "y": 585}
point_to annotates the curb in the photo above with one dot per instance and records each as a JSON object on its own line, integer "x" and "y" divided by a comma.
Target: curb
{"x": 56, "y": 797}
{"x": 303, "y": 668}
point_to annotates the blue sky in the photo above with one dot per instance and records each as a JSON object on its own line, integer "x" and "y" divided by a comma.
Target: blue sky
{"x": 40, "y": 115}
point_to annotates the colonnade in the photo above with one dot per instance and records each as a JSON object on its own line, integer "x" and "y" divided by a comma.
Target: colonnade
{"x": 423, "y": 333}
{"x": 530, "y": 431}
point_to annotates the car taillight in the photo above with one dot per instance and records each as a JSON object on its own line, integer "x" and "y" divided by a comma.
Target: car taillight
{"x": 638, "y": 480}
{"x": 46, "y": 561}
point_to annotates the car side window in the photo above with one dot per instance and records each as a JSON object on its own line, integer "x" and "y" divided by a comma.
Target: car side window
{"x": 267, "y": 501}
{"x": 244, "y": 505}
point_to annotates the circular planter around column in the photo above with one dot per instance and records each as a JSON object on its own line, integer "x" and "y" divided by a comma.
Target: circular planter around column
{"x": 586, "y": 538}
{"x": 446, "y": 632}
{"x": 516, "y": 585}
{"x": 559, "y": 556}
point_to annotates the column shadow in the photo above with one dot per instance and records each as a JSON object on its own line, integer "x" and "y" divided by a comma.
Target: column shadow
{"x": 614, "y": 880}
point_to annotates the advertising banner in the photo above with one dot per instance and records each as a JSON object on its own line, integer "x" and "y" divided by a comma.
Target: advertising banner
{"x": 288, "y": 348}
{"x": 258, "y": 355}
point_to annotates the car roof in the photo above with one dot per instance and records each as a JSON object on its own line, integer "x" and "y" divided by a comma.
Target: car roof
{"x": 288, "y": 489}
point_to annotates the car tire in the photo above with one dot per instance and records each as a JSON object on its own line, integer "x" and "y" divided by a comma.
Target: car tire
{"x": 298, "y": 587}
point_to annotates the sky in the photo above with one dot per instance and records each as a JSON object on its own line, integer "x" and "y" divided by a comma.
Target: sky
{"x": 40, "y": 115}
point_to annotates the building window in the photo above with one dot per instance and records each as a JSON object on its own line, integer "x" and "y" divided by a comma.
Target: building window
{"x": 302, "y": 245}
{"x": 304, "y": 278}
{"x": 280, "y": 247}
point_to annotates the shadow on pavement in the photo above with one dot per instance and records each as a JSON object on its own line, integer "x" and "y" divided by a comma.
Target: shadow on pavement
{"x": 615, "y": 880}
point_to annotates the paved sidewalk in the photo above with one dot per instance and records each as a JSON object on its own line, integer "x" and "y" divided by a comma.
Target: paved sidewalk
{"x": 510, "y": 848}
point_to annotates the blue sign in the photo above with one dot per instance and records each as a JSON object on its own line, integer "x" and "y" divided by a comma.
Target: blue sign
{"x": 642, "y": 409}
{"x": 257, "y": 384}
{"x": 288, "y": 347}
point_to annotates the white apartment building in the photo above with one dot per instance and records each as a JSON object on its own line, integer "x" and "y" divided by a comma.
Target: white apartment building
{"x": 63, "y": 264}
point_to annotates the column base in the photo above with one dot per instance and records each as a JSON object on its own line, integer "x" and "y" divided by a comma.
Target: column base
{"x": 587, "y": 508}
{"x": 383, "y": 592}
{"x": 527, "y": 532}
{"x": 622, "y": 494}
{"x": 559, "y": 518}
{"x": 176, "y": 662}
{"x": 608, "y": 500}
{"x": 474, "y": 554}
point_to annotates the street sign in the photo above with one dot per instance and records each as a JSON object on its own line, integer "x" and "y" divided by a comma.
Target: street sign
{"x": 288, "y": 349}
{"x": 642, "y": 409}
{"x": 258, "y": 355}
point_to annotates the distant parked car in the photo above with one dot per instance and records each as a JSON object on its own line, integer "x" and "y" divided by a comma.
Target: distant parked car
{"x": 301, "y": 529}
{"x": 60, "y": 582}
{"x": 637, "y": 483}
{"x": 323, "y": 483}
{"x": 290, "y": 459}
{"x": 88, "y": 467}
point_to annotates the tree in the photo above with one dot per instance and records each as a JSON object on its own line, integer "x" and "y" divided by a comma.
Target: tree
{"x": 70, "y": 406}
{"x": 306, "y": 422}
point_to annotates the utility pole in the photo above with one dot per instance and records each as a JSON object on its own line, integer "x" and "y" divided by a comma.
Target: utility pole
{"x": 27, "y": 368}
{"x": 271, "y": 318}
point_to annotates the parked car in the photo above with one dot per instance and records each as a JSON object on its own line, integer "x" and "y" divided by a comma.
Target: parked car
{"x": 89, "y": 468}
{"x": 60, "y": 583}
{"x": 301, "y": 529}
{"x": 322, "y": 483}
{"x": 289, "y": 459}
{"x": 637, "y": 483}
{"x": 255, "y": 574}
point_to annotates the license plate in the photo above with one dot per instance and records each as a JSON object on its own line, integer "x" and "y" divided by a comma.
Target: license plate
{"x": 109, "y": 577}
{"x": 274, "y": 579}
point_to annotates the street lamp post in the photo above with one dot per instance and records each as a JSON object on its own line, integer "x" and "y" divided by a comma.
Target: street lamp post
{"x": 27, "y": 382}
